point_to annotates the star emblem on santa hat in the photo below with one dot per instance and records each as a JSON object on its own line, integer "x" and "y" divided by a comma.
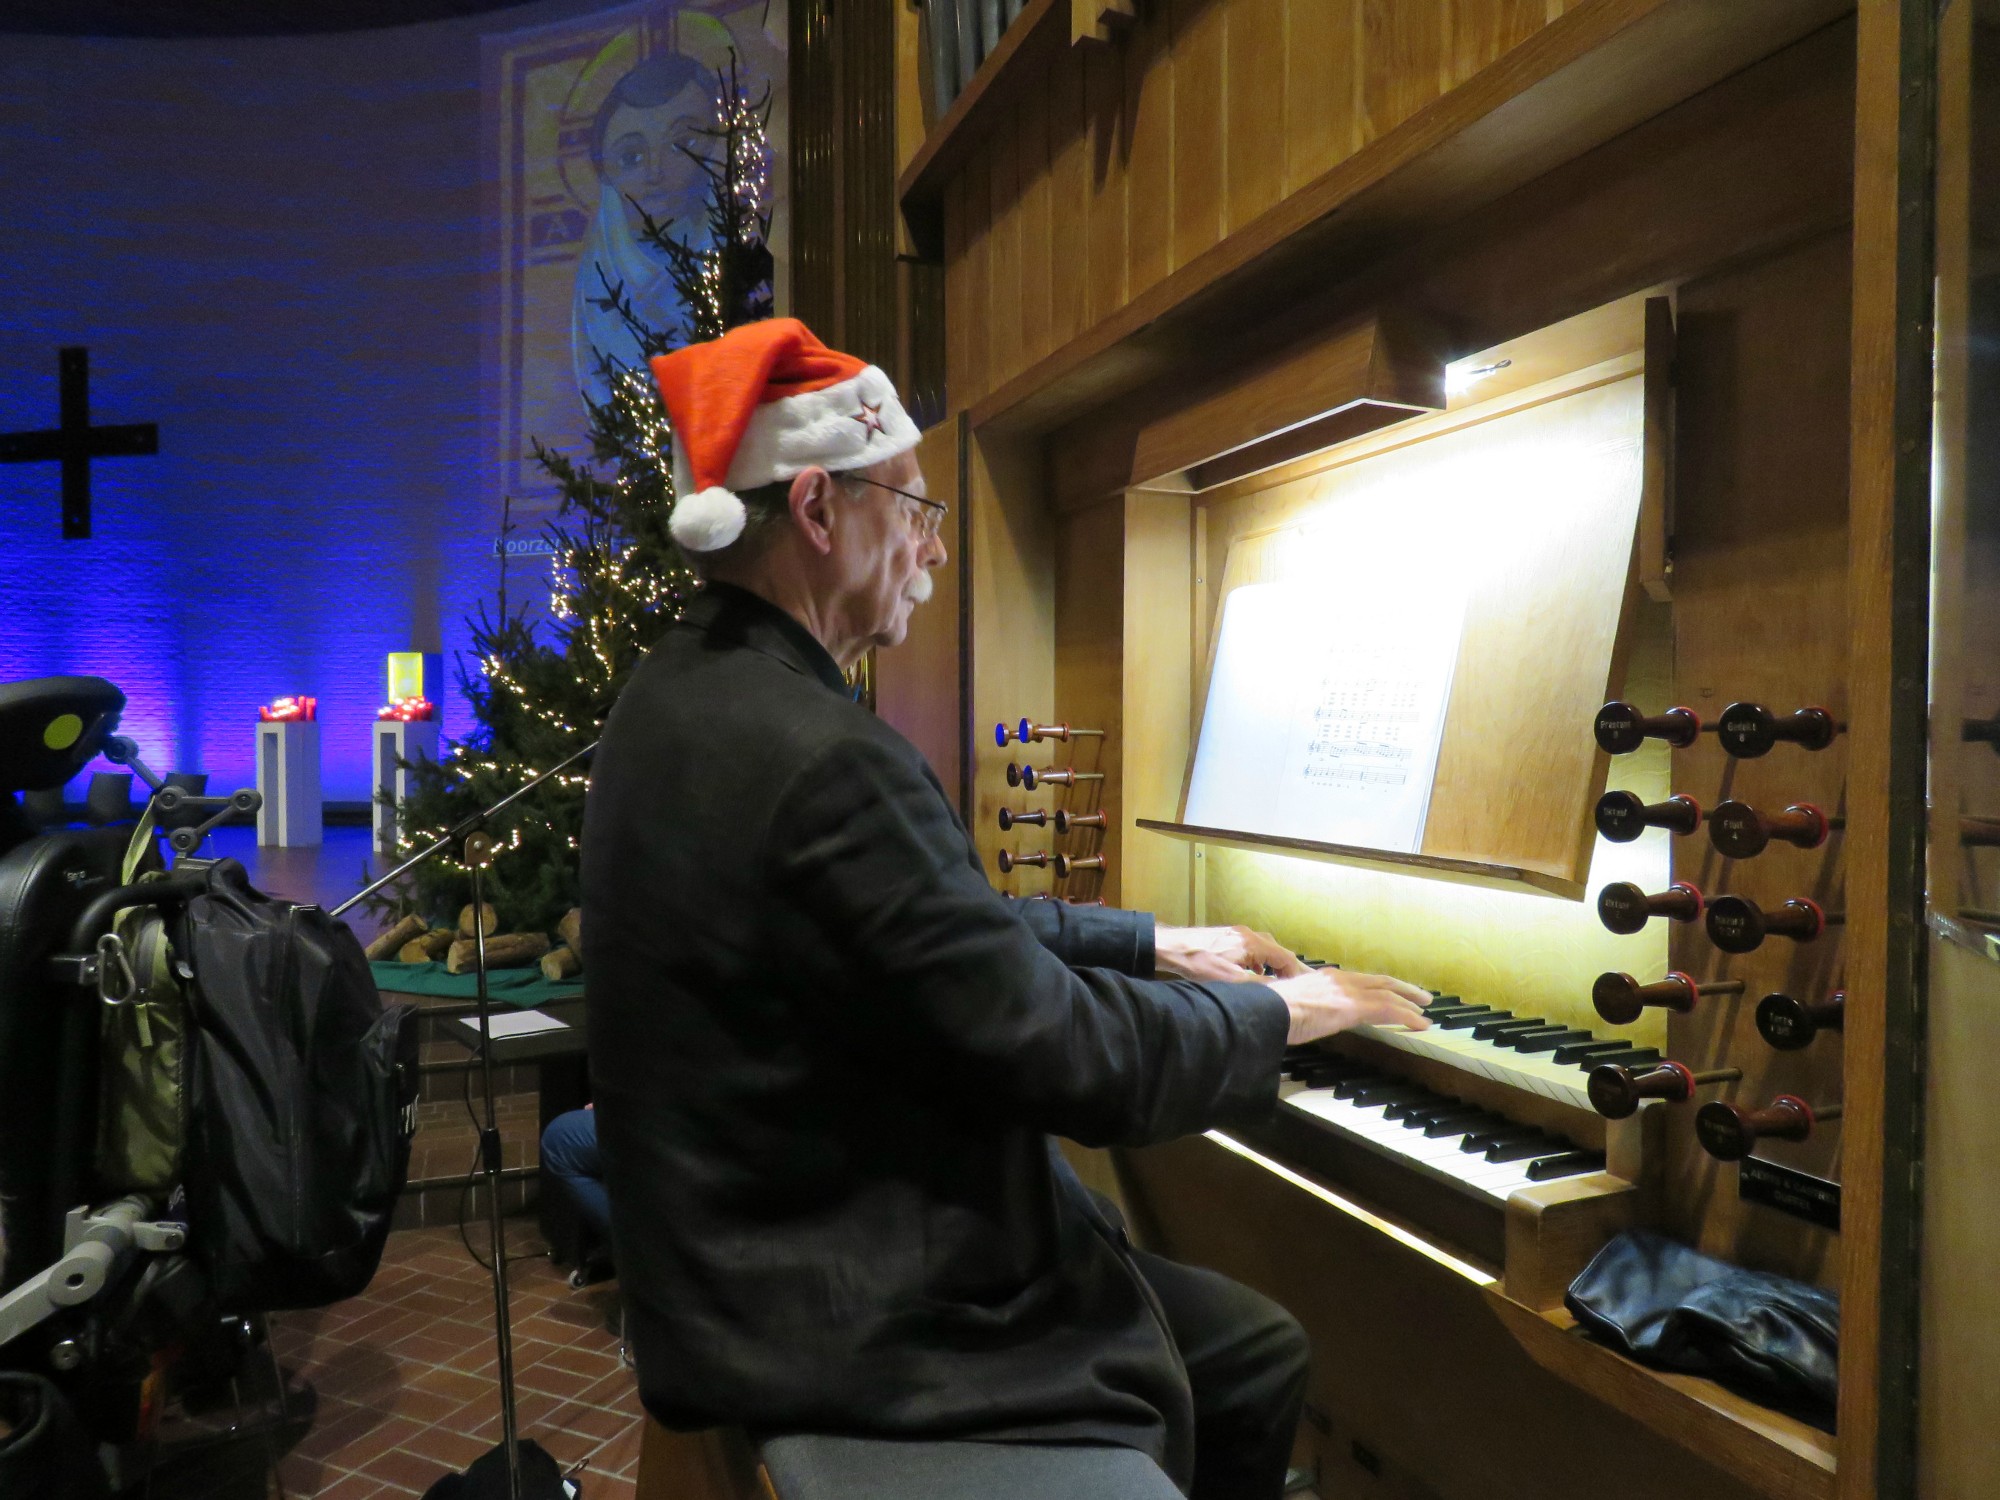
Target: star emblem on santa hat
{"x": 870, "y": 417}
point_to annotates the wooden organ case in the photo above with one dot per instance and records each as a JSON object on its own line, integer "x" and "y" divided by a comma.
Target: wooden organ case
{"x": 1223, "y": 274}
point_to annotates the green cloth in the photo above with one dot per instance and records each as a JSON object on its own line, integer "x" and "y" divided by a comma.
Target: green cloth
{"x": 517, "y": 987}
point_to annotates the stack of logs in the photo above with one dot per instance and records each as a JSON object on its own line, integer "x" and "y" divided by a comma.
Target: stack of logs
{"x": 415, "y": 941}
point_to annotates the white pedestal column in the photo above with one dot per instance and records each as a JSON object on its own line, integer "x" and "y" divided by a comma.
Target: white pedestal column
{"x": 411, "y": 740}
{"x": 288, "y": 778}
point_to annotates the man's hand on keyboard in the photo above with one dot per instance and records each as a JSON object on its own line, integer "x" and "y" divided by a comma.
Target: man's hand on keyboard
{"x": 1224, "y": 954}
{"x": 1324, "y": 1001}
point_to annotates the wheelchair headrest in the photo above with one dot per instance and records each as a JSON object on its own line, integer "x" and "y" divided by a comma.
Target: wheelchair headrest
{"x": 51, "y": 728}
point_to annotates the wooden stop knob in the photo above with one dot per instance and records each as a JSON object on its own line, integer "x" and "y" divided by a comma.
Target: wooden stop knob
{"x": 1621, "y": 999}
{"x": 1748, "y": 730}
{"x": 1067, "y": 865}
{"x": 1739, "y": 831}
{"x": 1622, "y": 817}
{"x": 1009, "y": 861}
{"x": 1011, "y": 819}
{"x": 1730, "y": 1132}
{"x": 1789, "y": 1024}
{"x": 1616, "y": 1092}
{"x": 1624, "y": 908}
{"x": 1621, "y": 728}
{"x": 1736, "y": 924}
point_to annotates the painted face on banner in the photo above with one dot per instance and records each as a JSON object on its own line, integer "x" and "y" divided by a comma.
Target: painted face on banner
{"x": 642, "y": 164}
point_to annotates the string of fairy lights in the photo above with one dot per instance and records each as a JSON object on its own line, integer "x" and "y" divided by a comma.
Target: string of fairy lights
{"x": 601, "y": 583}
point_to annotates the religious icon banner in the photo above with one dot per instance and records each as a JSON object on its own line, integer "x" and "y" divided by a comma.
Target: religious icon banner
{"x": 584, "y": 118}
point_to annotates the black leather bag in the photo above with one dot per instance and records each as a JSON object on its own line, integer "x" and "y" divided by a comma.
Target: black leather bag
{"x": 1773, "y": 1339}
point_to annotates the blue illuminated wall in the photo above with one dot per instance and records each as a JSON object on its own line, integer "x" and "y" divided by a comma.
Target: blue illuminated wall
{"x": 272, "y": 248}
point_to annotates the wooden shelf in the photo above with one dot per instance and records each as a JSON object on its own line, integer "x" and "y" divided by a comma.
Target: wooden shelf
{"x": 1458, "y": 871}
{"x": 1041, "y": 27}
{"x": 1772, "y": 1453}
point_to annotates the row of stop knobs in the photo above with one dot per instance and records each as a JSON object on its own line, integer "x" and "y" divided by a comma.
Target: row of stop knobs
{"x": 1727, "y": 1131}
{"x": 1031, "y": 778}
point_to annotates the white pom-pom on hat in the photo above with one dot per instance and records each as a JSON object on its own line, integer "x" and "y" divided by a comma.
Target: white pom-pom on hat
{"x": 708, "y": 520}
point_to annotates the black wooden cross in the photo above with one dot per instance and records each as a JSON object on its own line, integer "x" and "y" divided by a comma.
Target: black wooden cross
{"x": 75, "y": 442}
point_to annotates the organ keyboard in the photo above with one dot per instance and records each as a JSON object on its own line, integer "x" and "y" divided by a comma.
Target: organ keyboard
{"x": 1442, "y": 1127}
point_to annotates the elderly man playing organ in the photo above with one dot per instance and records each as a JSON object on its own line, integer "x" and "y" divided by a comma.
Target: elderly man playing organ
{"x": 829, "y": 1058}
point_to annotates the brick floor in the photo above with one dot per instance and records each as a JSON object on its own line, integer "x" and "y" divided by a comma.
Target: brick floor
{"x": 406, "y": 1374}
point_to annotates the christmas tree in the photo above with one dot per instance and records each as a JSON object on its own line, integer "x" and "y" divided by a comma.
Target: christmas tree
{"x": 539, "y": 690}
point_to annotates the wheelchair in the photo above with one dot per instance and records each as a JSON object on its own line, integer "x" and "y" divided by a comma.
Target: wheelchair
{"x": 107, "y": 1331}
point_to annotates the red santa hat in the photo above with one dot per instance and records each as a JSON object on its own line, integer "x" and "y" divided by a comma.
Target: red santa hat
{"x": 765, "y": 402}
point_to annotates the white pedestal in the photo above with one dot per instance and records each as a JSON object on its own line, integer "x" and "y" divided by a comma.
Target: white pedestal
{"x": 412, "y": 740}
{"x": 288, "y": 778}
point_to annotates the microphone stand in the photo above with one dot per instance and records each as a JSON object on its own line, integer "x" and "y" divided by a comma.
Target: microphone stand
{"x": 479, "y": 847}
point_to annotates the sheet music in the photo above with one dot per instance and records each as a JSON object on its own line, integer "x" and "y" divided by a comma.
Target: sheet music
{"x": 1325, "y": 713}
{"x": 522, "y": 1023}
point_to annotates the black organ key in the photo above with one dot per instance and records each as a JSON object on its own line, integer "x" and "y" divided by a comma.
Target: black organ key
{"x": 1540, "y": 1145}
{"x": 1635, "y": 1058}
{"x": 1430, "y": 1114}
{"x": 1542, "y": 1042}
{"x": 1402, "y": 1109}
{"x": 1471, "y": 1015}
{"x": 1584, "y": 1054}
{"x": 1492, "y": 1030}
{"x": 1438, "y": 1011}
{"x": 1504, "y": 1133}
{"x": 1458, "y": 1124}
{"x": 1389, "y": 1091}
{"x": 1347, "y": 1088}
{"x": 1567, "y": 1164}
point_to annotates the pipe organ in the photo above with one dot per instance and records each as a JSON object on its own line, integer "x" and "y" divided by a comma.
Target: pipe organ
{"x": 1454, "y": 489}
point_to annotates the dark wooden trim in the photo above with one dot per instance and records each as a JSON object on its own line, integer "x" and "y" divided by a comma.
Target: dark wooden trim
{"x": 1459, "y": 871}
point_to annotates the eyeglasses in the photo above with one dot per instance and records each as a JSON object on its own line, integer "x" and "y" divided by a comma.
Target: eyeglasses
{"x": 931, "y": 523}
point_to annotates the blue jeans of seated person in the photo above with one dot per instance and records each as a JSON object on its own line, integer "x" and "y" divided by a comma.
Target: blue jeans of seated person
{"x": 570, "y": 1155}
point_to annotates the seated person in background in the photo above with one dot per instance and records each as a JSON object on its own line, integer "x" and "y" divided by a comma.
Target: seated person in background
{"x": 828, "y": 1057}
{"x": 570, "y": 1156}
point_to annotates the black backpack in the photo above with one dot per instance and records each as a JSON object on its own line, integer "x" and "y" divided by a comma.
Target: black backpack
{"x": 301, "y": 1094}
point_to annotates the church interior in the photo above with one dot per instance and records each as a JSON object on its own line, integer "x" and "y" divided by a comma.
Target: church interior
{"x": 1448, "y": 626}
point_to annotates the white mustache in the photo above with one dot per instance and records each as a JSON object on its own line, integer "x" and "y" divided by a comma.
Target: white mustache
{"x": 920, "y": 589}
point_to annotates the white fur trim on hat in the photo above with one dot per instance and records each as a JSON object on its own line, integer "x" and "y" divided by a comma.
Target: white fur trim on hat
{"x": 850, "y": 425}
{"x": 707, "y": 520}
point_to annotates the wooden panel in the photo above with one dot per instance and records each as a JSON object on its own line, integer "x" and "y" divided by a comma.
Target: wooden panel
{"x": 1037, "y": 224}
{"x": 1873, "y": 867}
{"x": 1069, "y": 199}
{"x": 1200, "y": 185}
{"x": 978, "y": 343}
{"x": 1089, "y": 692}
{"x": 1761, "y": 546}
{"x": 959, "y": 318}
{"x": 1010, "y": 562}
{"x": 1149, "y": 172}
{"x": 1003, "y": 258}
{"x": 1388, "y": 1318}
{"x": 1255, "y": 90}
{"x": 917, "y": 686}
{"x": 1158, "y": 691}
{"x": 1104, "y": 110}
{"x": 1607, "y": 68}
{"x": 1482, "y": 30}
{"x": 1403, "y": 48}
{"x": 1322, "y": 82}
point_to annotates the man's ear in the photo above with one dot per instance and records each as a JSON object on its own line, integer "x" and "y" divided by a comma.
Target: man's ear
{"x": 812, "y": 509}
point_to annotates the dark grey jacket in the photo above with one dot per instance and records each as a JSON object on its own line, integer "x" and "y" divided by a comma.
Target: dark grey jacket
{"x": 827, "y": 1057}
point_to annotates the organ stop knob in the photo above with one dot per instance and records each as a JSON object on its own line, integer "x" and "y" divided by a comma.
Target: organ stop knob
{"x": 1011, "y": 819}
{"x": 1068, "y": 865}
{"x": 1736, "y": 924}
{"x": 1066, "y": 820}
{"x": 1624, "y": 908}
{"x": 1739, "y": 831}
{"x": 1730, "y": 1132}
{"x": 1621, "y": 728}
{"x": 1028, "y": 778}
{"x": 1008, "y": 861}
{"x": 1789, "y": 1024}
{"x": 1030, "y": 733}
{"x": 1620, "y": 999}
{"x": 1622, "y": 817}
{"x": 1748, "y": 730}
{"x": 1616, "y": 1091}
